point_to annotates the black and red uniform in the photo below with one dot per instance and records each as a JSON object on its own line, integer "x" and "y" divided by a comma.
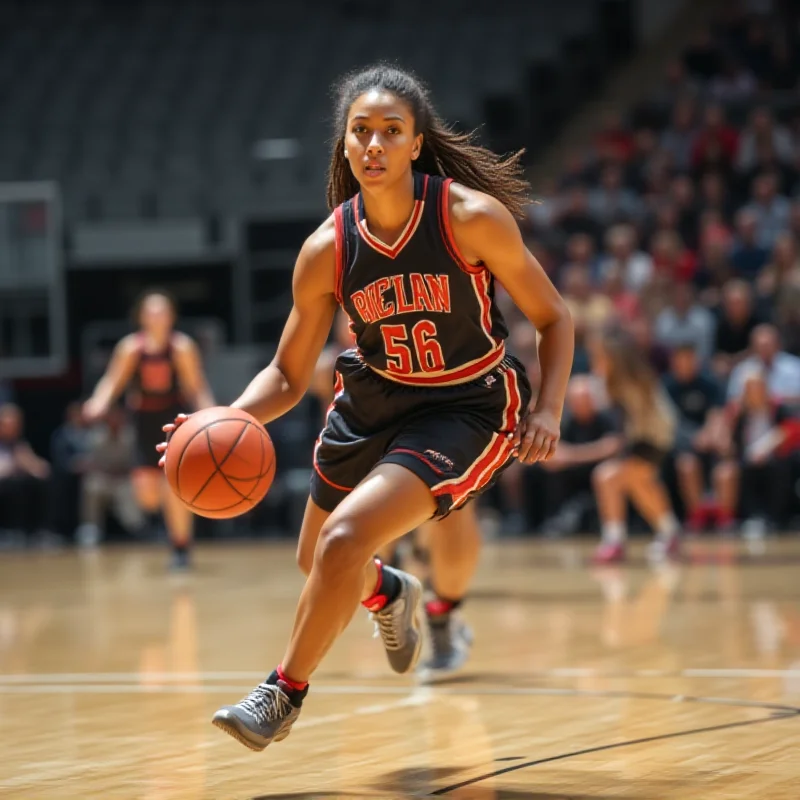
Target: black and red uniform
{"x": 154, "y": 398}
{"x": 428, "y": 385}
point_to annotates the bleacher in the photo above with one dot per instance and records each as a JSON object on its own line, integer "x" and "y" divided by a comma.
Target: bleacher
{"x": 175, "y": 109}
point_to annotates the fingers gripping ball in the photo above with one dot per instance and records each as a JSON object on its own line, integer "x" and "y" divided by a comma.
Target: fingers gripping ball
{"x": 220, "y": 462}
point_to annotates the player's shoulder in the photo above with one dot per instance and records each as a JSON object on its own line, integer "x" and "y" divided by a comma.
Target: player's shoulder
{"x": 130, "y": 344}
{"x": 472, "y": 208}
{"x": 182, "y": 342}
{"x": 316, "y": 263}
{"x": 321, "y": 244}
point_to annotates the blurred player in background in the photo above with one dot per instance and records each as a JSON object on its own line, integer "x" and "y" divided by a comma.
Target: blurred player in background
{"x": 162, "y": 371}
{"x": 449, "y": 547}
{"x": 649, "y": 423}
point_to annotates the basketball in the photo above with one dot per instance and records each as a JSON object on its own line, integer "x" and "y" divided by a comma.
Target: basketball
{"x": 220, "y": 462}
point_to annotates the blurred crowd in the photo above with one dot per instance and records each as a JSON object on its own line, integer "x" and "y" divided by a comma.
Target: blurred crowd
{"x": 681, "y": 225}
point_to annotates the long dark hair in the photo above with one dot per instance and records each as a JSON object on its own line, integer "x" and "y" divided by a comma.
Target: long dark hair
{"x": 444, "y": 152}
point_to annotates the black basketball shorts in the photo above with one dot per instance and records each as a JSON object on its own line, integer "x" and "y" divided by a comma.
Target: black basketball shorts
{"x": 455, "y": 438}
{"x": 148, "y": 428}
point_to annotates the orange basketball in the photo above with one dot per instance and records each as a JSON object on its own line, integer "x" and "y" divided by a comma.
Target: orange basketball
{"x": 220, "y": 462}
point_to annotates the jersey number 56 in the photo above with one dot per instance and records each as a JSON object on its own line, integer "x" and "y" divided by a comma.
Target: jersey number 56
{"x": 400, "y": 348}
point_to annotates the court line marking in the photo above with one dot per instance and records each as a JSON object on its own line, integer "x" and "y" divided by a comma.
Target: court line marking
{"x": 410, "y": 696}
{"x": 600, "y": 748}
{"x": 226, "y": 675}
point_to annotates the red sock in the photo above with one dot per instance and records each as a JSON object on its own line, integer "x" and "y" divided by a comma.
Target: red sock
{"x": 376, "y": 601}
{"x": 440, "y": 606}
{"x": 296, "y": 685}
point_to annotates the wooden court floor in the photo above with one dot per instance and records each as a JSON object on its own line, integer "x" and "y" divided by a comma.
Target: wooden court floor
{"x": 653, "y": 684}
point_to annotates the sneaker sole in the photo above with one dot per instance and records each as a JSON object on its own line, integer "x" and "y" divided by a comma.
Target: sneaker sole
{"x": 230, "y": 726}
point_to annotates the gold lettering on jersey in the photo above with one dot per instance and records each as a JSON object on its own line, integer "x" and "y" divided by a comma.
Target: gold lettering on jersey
{"x": 412, "y": 293}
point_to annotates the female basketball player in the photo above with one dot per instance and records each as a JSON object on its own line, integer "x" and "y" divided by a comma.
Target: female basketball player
{"x": 162, "y": 370}
{"x": 649, "y": 425}
{"x": 428, "y": 409}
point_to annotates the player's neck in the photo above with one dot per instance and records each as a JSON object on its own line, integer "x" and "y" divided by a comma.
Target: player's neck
{"x": 156, "y": 341}
{"x": 387, "y": 213}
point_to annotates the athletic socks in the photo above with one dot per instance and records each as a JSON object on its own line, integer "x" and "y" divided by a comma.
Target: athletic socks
{"x": 667, "y": 527}
{"x": 387, "y": 589}
{"x": 441, "y": 607}
{"x": 613, "y": 532}
{"x": 294, "y": 690}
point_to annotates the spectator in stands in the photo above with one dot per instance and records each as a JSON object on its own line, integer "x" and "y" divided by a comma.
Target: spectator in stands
{"x": 649, "y": 423}
{"x": 107, "y": 481}
{"x": 714, "y": 269}
{"x": 614, "y": 141}
{"x": 683, "y": 194}
{"x": 734, "y": 83}
{"x": 640, "y": 331}
{"x": 748, "y": 254}
{"x": 588, "y": 437}
{"x": 611, "y": 202}
{"x": 715, "y": 133}
{"x": 782, "y": 272}
{"x": 626, "y": 302}
{"x": 771, "y": 210}
{"x": 753, "y": 459}
{"x": 23, "y": 478}
{"x": 588, "y": 309}
{"x": 671, "y": 259}
{"x": 699, "y": 399}
{"x": 714, "y": 196}
{"x": 677, "y": 84}
{"x": 636, "y": 267}
{"x": 678, "y": 139}
{"x": 645, "y": 149}
{"x": 685, "y": 318}
{"x": 779, "y": 369}
{"x": 69, "y": 450}
{"x": 574, "y": 216}
{"x": 581, "y": 252}
{"x": 762, "y": 129}
{"x": 736, "y": 324}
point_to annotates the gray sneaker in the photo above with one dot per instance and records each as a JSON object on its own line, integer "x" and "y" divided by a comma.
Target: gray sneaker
{"x": 266, "y": 715}
{"x": 451, "y": 640}
{"x": 400, "y": 624}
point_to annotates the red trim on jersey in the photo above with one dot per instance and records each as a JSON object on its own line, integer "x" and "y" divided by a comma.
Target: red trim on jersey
{"x": 462, "y": 375}
{"x": 405, "y": 237}
{"x": 447, "y": 232}
{"x": 481, "y": 281}
{"x": 338, "y": 388}
{"x": 492, "y": 458}
{"x": 338, "y": 224}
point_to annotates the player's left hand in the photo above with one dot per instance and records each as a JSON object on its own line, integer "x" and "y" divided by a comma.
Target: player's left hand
{"x": 536, "y": 437}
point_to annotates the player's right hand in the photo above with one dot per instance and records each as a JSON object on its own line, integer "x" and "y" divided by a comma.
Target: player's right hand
{"x": 93, "y": 410}
{"x": 169, "y": 429}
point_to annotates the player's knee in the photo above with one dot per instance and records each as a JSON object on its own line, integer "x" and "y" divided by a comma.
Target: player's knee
{"x": 341, "y": 548}
{"x": 605, "y": 473}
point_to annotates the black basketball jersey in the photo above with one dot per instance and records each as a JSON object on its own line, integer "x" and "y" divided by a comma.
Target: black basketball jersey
{"x": 420, "y": 313}
{"x": 154, "y": 386}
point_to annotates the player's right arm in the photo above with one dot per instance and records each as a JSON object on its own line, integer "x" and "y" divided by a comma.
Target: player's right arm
{"x": 117, "y": 375}
{"x": 282, "y": 384}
